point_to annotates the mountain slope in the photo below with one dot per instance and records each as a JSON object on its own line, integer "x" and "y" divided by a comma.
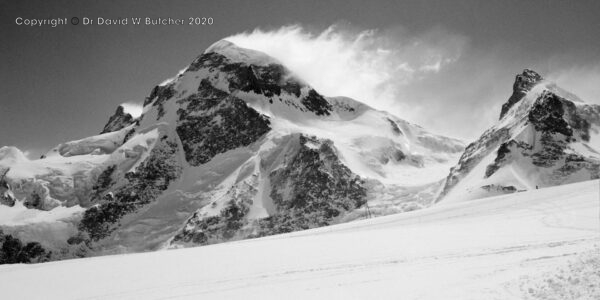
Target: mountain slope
{"x": 234, "y": 146}
{"x": 545, "y": 137}
{"x": 540, "y": 244}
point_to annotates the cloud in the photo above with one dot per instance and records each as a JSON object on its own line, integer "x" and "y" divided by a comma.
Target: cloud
{"x": 133, "y": 108}
{"x": 33, "y": 153}
{"x": 27, "y": 153}
{"x": 368, "y": 65}
{"x": 584, "y": 81}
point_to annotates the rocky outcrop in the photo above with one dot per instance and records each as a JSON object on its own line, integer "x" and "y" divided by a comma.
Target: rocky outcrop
{"x": 137, "y": 189}
{"x": 473, "y": 155}
{"x": 118, "y": 121}
{"x": 6, "y": 195}
{"x": 312, "y": 188}
{"x": 268, "y": 80}
{"x": 212, "y": 122}
{"x": 14, "y": 251}
{"x": 523, "y": 84}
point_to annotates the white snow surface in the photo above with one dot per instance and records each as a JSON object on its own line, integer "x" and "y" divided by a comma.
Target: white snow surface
{"x": 503, "y": 247}
{"x": 19, "y": 215}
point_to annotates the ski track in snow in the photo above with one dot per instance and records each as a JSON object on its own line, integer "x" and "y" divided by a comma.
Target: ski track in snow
{"x": 479, "y": 249}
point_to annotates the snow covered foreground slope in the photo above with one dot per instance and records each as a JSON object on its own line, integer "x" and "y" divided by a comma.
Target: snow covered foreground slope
{"x": 540, "y": 244}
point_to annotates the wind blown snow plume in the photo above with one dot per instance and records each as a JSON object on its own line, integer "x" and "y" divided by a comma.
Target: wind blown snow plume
{"x": 368, "y": 65}
{"x": 585, "y": 80}
{"x": 132, "y": 108}
{"x": 435, "y": 78}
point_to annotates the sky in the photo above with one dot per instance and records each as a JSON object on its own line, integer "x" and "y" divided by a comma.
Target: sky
{"x": 446, "y": 65}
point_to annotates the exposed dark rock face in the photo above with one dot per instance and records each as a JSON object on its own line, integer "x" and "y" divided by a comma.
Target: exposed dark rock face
{"x": 316, "y": 103}
{"x": 104, "y": 182}
{"x": 574, "y": 163}
{"x": 215, "y": 229}
{"x": 13, "y": 251}
{"x": 141, "y": 187}
{"x": 499, "y": 188}
{"x": 503, "y": 155}
{"x": 395, "y": 129}
{"x": 552, "y": 150}
{"x": 270, "y": 80}
{"x": 310, "y": 190}
{"x": 158, "y": 96}
{"x": 500, "y": 158}
{"x": 313, "y": 188}
{"x": 473, "y": 154}
{"x": 557, "y": 122}
{"x": 128, "y": 135}
{"x": 35, "y": 201}
{"x": 523, "y": 83}
{"x": 546, "y": 115}
{"x": 118, "y": 121}
{"x": 6, "y": 196}
{"x": 266, "y": 80}
{"x": 212, "y": 122}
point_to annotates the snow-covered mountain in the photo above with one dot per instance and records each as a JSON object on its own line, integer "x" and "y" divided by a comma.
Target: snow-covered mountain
{"x": 546, "y": 136}
{"x": 234, "y": 146}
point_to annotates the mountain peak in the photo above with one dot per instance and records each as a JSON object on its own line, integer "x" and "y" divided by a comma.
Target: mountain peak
{"x": 220, "y": 45}
{"x": 546, "y": 136}
{"x": 119, "y": 120}
{"x": 523, "y": 83}
{"x": 530, "y": 75}
{"x": 241, "y": 55}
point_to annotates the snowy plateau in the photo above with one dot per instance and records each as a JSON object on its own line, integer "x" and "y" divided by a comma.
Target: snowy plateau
{"x": 294, "y": 194}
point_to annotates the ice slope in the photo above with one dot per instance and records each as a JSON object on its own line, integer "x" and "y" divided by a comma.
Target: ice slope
{"x": 540, "y": 244}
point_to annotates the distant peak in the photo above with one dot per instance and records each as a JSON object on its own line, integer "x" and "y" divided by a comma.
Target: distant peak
{"x": 120, "y": 111}
{"x": 119, "y": 120}
{"x": 524, "y": 82}
{"x": 530, "y": 75}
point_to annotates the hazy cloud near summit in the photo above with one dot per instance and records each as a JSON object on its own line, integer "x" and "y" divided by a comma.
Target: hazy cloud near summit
{"x": 437, "y": 79}
{"x": 369, "y": 65}
{"x": 584, "y": 81}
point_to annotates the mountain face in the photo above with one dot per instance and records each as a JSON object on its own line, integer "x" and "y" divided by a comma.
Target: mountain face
{"x": 118, "y": 121}
{"x": 545, "y": 137}
{"x": 234, "y": 146}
